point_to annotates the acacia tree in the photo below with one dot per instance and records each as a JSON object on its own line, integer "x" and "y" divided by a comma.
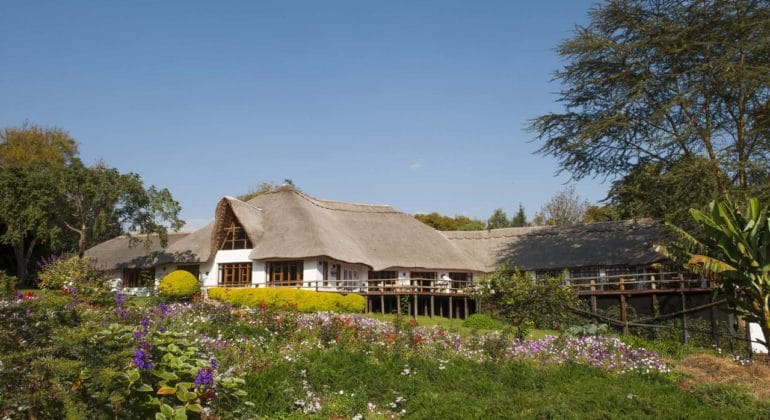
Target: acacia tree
{"x": 101, "y": 202}
{"x": 736, "y": 254}
{"x": 657, "y": 81}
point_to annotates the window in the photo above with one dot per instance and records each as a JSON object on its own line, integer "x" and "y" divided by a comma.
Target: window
{"x": 138, "y": 277}
{"x": 461, "y": 280}
{"x": 192, "y": 269}
{"x": 386, "y": 278}
{"x": 235, "y": 237}
{"x": 235, "y": 274}
{"x": 284, "y": 273}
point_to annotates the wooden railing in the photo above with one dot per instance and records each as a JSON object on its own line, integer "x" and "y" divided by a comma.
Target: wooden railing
{"x": 632, "y": 282}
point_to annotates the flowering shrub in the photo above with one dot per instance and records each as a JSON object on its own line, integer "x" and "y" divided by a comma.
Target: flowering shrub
{"x": 285, "y": 298}
{"x": 7, "y": 286}
{"x": 76, "y": 273}
{"x": 179, "y": 285}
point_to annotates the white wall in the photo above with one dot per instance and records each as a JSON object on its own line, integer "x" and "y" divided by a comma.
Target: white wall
{"x": 755, "y": 332}
{"x": 229, "y": 256}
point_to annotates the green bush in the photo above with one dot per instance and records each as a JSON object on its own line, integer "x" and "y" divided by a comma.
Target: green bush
{"x": 300, "y": 300}
{"x": 79, "y": 275}
{"x": 178, "y": 285}
{"x": 7, "y": 286}
{"x": 483, "y": 322}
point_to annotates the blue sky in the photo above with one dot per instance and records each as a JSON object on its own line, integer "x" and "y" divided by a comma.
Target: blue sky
{"x": 419, "y": 104}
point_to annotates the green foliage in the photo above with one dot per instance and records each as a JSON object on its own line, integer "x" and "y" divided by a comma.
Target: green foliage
{"x": 441, "y": 222}
{"x": 563, "y": 209}
{"x": 483, "y": 322}
{"x": 285, "y": 298}
{"x": 737, "y": 255}
{"x": 498, "y": 220}
{"x": 78, "y": 274}
{"x": 665, "y": 191}
{"x": 654, "y": 81}
{"x": 523, "y": 301}
{"x": 7, "y": 285}
{"x": 520, "y": 218}
{"x": 171, "y": 384}
{"x": 588, "y": 329}
{"x": 178, "y": 285}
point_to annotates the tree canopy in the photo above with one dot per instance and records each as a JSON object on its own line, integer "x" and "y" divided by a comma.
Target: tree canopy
{"x": 441, "y": 222}
{"x": 563, "y": 209}
{"x": 648, "y": 85}
{"x": 49, "y": 197}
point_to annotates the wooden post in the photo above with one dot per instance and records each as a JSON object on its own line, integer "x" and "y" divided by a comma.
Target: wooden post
{"x": 382, "y": 303}
{"x": 593, "y": 297}
{"x": 450, "y": 307}
{"x": 684, "y": 318}
{"x": 398, "y": 303}
{"x": 713, "y": 318}
{"x": 623, "y": 307}
{"x": 368, "y": 305}
{"x": 416, "y": 307}
{"x": 441, "y": 308}
{"x": 432, "y": 306}
{"x": 465, "y": 302}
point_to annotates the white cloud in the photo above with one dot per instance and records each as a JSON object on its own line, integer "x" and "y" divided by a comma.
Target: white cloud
{"x": 417, "y": 164}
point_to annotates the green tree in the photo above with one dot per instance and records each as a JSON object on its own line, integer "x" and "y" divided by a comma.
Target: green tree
{"x": 654, "y": 82}
{"x": 101, "y": 202}
{"x": 441, "y": 222}
{"x": 665, "y": 191}
{"x": 520, "y": 218}
{"x": 498, "y": 220}
{"x": 563, "y": 209}
{"x": 524, "y": 302}
{"x": 32, "y": 158}
{"x": 265, "y": 187}
{"x": 736, "y": 254}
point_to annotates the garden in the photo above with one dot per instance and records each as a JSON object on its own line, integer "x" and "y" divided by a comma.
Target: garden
{"x": 79, "y": 353}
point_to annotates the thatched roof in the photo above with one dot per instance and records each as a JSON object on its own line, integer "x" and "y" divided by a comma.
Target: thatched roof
{"x": 119, "y": 252}
{"x": 287, "y": 224}
{"x": 627, "y": 242}
{"x": 298, "y": 226}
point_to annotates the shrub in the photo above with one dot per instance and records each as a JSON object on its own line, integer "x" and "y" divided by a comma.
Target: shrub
{"x": 523, "y": 301}
{"x": 7, "y": 286}
{"x": 483, "y": 322}
{"x": 77, "y": 274}
{"x": 179, "y": 285}
{"x": 300, "y": 300}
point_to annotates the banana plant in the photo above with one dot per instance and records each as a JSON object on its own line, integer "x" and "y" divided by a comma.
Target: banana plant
{"x": 735, "y": 253}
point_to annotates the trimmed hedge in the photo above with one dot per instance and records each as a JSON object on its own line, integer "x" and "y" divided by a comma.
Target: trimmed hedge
{"x": 285, "y": 298}
{"x": 178, "y": 284}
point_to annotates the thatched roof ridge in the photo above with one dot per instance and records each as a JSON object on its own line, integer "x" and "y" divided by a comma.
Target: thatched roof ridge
{"x": 299, "y": 226}
{"x": 247, "y": 215}
{"x": 625, "y": 242}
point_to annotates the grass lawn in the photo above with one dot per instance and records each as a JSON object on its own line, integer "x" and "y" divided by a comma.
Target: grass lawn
{"x": 453, "y": 325}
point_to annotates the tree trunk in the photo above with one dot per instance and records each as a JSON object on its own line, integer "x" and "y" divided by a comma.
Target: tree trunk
{"x": 21, "y": 262}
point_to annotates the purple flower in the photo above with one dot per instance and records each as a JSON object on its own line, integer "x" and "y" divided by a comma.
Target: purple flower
{"x": 205, "y": 378}
{"x": 164, "y": 309}
{"x": 214, "y": 365}
{"x": 119, "y": 298}
{"x": 142, "y": 359}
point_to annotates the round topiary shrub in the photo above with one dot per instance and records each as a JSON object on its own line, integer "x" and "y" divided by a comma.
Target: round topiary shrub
{"x": 178, "y": 285}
